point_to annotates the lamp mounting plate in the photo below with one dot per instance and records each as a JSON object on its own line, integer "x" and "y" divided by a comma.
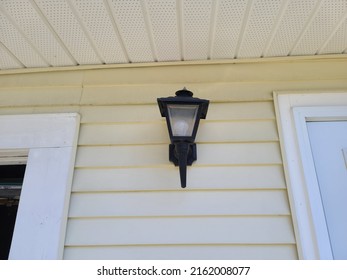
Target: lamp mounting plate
{"x": 173, "y": 157}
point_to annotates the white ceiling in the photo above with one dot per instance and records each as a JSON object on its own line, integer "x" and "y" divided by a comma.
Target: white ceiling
{"x": 48, "y": 33}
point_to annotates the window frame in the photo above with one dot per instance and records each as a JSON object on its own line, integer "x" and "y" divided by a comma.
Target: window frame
{"x": 51, "y": 142}
{"x": 293, "y": 110}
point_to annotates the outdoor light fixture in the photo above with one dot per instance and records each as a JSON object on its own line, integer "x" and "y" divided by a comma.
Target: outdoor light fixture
{"x": 183, "y": 113}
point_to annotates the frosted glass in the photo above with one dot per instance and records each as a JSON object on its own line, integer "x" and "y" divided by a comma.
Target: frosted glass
{"x": 182, "y": 119}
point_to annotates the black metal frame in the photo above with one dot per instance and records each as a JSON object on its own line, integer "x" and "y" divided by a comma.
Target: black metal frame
{"x": 182, "y": 150}
{"x": 183, "y": 97}
{"x": 174, "y": 154}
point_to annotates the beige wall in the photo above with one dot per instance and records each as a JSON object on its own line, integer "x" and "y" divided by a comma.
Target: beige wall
{"x": 127, "y": 201}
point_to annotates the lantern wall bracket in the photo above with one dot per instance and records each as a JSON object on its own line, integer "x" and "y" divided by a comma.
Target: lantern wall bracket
{"x": 174, "y": 154}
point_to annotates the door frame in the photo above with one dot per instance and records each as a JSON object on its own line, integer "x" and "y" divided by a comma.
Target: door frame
{"x": 50, "y": 141}
{"x": 293, "y": 110}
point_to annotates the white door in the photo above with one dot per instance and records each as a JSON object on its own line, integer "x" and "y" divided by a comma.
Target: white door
{"x": 328, "y": 141}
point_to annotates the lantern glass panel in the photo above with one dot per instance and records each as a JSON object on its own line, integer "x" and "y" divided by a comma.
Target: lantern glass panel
{"x": 182, "y": 119}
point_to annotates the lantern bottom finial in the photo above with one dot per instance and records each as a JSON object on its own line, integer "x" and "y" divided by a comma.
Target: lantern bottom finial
{"x": 182, "y": 154}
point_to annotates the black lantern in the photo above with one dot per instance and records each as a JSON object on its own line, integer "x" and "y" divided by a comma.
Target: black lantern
{"x": 183, "y": 113}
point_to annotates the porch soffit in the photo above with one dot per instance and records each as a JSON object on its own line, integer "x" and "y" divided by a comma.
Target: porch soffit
{"x": 58, "y": 33}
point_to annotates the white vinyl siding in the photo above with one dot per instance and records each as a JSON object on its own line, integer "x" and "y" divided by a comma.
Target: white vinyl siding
{"x": 179, "y": 230}
{"x": 126, "y": 193}
{"x": 178, "y": 203}
{"x": 203, "y": 177}
{"x": 126, "y": 200}
{"x": 200, "y": 251}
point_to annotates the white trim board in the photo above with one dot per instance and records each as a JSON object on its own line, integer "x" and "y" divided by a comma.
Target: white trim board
{"x": 51, "y": 141}
{"x": 293, "y": 110}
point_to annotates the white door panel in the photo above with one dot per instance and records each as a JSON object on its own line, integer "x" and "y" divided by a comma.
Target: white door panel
{"x": 328, "y": 143}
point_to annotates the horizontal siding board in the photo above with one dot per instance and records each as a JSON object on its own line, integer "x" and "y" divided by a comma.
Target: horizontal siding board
{"x": 39, "y": 110}
{"x": 273, "y": 71}
{"x": 65, "y": 94}
{"x": 119, "y": 114}
{"x": 43, "y": 79}
{"x": 241, "y": 111}
{"x": 148, "y": 94}
{"x": 40, "y": 96}
{"x": 149, "y": 155}
{"x": 145, "y": 133}
{"x": 128, "y": 114}
{"x": 156, "y": 133}
{"x": 176, "y": 230}
{"x": 134, "y": 179}
{"x": 248, "y": 131}
{"x": 179, "y": 203}
{"x": 328, "y": 69}
{"x": 147, "y": 113}
{"x": 246, "y": 91}
{"x": 183, "y": 252}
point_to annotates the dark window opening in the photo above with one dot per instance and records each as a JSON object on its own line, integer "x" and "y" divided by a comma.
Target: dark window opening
{"x": 11, "y": 180}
